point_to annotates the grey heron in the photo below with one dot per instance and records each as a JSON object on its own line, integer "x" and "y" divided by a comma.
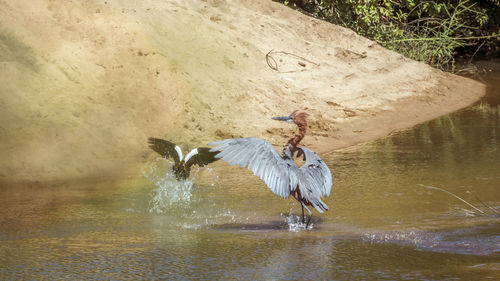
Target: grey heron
{"x": 306, "y": 184}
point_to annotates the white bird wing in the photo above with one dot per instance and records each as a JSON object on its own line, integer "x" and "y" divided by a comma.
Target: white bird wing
{"x": 262, "y": 159}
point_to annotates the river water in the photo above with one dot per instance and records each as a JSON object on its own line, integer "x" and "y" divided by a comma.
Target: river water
{"x": 385, "y": 222}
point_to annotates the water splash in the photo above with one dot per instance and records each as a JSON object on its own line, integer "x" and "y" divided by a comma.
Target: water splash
{"x": 178, "y": 197}
{"x": 295, "y": 223}
{"x": 414, "y": 238}
{"x": 478, "y": 240}
{"x": 215, "y": 178}
{"x": 169, "y": 192}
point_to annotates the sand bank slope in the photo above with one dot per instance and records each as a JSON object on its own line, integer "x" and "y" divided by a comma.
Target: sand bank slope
{"x": 83, "y": 84}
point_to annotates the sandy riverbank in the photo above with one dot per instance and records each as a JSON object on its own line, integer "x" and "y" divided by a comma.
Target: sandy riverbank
{"x": 83, "y": 84}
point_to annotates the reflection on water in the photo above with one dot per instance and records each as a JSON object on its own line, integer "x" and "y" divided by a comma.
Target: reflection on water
{"x": 225, "y": 224}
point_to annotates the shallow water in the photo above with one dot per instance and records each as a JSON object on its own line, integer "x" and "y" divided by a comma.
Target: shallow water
{"x": 225, "y": 224}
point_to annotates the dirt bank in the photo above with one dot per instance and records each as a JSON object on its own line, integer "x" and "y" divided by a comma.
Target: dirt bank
{"x": 84, "y": 83}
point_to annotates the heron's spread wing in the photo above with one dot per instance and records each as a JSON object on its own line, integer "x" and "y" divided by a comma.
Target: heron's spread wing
{"x": 262, "y": 159}
{"x": 165, "y": 148}
{"x": 317, "y": 173}
{"x": 200, "y": 156}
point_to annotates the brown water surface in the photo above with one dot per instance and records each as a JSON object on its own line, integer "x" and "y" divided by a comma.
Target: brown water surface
{"x": 225, "y": 224}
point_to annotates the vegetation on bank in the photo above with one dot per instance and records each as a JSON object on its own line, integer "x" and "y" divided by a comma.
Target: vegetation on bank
{"x": 435, "y": 32}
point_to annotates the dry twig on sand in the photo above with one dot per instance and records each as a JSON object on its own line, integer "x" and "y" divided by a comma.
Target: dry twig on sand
{"x": 271, "y": 62}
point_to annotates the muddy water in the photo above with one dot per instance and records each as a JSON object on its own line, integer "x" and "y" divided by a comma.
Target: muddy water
{"x": 383, "y": 222}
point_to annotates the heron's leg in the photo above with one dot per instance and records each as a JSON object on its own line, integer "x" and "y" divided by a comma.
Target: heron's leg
{"x": 309, "y": 220}
{"x": 310, "y": 214}
{"x": 303, "y": 220}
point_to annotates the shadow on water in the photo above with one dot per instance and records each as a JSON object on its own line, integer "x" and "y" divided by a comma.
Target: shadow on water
{"x": 273, "y": 225}
{"x": 291, "y": 223}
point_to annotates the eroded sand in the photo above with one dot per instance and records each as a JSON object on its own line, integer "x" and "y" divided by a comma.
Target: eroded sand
{"x": 84, "y": 83}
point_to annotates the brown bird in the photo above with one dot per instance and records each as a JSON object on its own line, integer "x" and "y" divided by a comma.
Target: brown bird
{"x": 306, "y": 184}
{"x": 200, "y": 156}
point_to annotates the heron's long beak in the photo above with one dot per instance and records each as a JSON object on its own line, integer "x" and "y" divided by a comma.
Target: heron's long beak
{"x": 288, "y": 119}
{"x": 283, "y": 118}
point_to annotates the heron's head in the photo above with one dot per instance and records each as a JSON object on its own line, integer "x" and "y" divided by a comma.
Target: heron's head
{"x": 294, "y": 118}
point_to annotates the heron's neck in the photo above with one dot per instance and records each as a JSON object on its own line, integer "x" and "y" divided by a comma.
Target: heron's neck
{"x": 300, "y": 135}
